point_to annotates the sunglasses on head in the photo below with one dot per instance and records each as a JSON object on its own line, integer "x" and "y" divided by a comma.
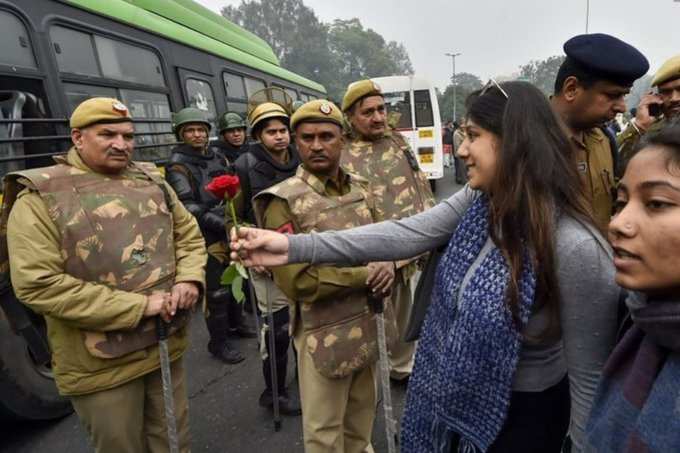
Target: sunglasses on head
{"x": 493, "y": 84}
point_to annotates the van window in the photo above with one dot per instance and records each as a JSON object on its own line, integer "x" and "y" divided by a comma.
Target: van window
{"x": 74, "y": 51}
{"x": 15, "y": 47}
{"x": 399, "y": 103}
{"x": 423, "y": 107}
{"x": 122, "y": 61}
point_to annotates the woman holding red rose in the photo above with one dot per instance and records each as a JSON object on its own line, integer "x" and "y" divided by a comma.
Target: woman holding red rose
{"x": 193, "y": 165}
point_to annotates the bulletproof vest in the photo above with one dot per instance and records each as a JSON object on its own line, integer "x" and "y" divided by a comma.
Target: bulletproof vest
{"x": 341, "y": 334}
{"x": 399, "y": 187}
{"x": 226, "y": 149}
{"x": 263, "y": 172}
{"x": 115, "y": 231}
{"x": 201, "y": 169}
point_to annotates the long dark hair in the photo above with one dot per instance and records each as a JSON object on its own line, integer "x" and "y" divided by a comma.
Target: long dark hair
{"x": 536, "y": 176}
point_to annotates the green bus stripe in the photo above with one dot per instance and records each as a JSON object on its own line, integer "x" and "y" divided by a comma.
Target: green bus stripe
{"x": 123, "y": 11}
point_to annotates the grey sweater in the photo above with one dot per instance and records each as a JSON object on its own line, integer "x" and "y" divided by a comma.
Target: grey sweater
{"x": 589, "y": 295}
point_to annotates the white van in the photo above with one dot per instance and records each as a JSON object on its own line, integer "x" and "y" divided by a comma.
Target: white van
{"x": 414, "y": 101}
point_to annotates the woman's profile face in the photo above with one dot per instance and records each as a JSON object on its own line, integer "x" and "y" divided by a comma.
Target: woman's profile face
{"x": 479, "y": 152}
{"x": 645, "y": 230}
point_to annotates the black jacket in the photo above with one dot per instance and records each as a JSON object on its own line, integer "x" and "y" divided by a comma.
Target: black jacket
{"x": 228, "y": 150}
{"x": 258, "y": 171}
{"x": 188, "y": 173}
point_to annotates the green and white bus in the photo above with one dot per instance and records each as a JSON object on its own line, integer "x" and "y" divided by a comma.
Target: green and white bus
{"x": 157, "y": 56}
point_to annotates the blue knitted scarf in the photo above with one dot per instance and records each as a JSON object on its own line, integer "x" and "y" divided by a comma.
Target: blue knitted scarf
{"x": 468, "y": 351}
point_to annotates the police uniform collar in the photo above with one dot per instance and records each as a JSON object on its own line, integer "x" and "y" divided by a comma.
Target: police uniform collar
{"x": 320, "y": 182}
{"x": 589, "y": 134}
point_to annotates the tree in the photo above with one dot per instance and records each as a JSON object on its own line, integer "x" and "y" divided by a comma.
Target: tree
{"x": 466, "y": 83}
{"x": 542, "y": 73}
{"x": 332, "y": 54}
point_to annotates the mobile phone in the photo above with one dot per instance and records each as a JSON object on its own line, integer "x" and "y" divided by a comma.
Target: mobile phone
{"x": 654, "y": 109}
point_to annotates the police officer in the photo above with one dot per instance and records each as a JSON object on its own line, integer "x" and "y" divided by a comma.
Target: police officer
{"x": 100, "y": 246}
{"x": 399, "y": 187}
{"x": 193, "y": 164}
{"x": 590, "y": 87}
{"x": 655, "y": 109}
{"x": 269, "y": 161}
{"x": 333, "y": 328}
{"x": 232, "y": 141}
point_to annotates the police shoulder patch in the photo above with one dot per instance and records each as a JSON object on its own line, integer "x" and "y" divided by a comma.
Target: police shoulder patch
{"x": 286, "y": 228}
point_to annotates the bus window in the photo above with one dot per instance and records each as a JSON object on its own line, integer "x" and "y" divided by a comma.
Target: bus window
{"x": 115, "y": 58}
{"x": 74, "y": 51}
{"x": 253, "y": 85}
{"x": 424, "y": 117}
{"x": 237, "y": 99}
{"x": 77, "y": 93}
{"x": 15, "y": 48}
{"x": 292, "y": 93}
{"x": 200, "y": 96}
{"x": 399, "y": 103}
{"x": 154, "y": 107}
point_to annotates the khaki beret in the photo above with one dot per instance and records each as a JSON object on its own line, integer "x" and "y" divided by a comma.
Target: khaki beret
{"x": 359, "y": 90}
{"x": 99, "y": 110}
{"x": 668, "y": 71}
{"x": 317, "y": 111}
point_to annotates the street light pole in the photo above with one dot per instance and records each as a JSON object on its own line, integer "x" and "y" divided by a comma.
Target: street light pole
{"x": 453, "y": 80}
{"x": 587, "y": 14}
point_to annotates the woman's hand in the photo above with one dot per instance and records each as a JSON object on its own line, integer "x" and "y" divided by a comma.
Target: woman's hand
{"x": 255, "y": 247}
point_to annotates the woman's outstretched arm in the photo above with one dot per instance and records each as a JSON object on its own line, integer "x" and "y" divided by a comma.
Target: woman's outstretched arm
{"x": 385, "y": 241}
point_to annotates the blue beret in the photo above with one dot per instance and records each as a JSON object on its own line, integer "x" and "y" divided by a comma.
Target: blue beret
{"x": 607, "y": 56}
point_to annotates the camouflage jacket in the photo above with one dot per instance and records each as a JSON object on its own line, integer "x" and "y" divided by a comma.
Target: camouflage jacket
{"x": 628, "y": 139}
{"x": 399, "y": 188}
{"x": 117, "y": 233}
{"x": 341, "y": 331}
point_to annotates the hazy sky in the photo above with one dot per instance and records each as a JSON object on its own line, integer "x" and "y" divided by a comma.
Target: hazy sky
{"x": 495, "y": 37}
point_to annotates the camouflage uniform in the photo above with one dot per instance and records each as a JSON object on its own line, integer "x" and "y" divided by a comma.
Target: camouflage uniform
{"x": 629, "y": 138}
{"x": 400, "y": 190}
{"x": 596, "y": 168}
{"x": 85, "y": 251}
{"x": 333, "y": 328}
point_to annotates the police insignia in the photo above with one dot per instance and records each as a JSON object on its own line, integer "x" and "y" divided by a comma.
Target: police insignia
{"x": 119, "y": 107}
{"x": 376, "y": 87}
{"x": 582, "y": 167}
{"x": 286, "y": 228}
{"x": 326, "y": 109}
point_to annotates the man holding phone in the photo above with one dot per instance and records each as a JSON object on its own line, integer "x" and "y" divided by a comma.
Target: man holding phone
{"x": 656, "y": 108}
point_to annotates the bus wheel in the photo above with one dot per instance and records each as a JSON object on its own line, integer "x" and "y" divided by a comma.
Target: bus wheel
{"x": 27, "y": 389}
{"x": 433, "y": 185}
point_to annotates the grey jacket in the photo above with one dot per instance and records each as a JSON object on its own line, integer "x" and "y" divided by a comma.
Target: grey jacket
{"x": 589, "y": 295}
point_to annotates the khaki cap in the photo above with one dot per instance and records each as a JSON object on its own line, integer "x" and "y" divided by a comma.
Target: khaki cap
{"x": 99, "y": 110}
{"x": 317, "y": 111}
{"x": 670, "y": 70}
{"x": 265, "y": 111}
{"x": 359, "y": 90}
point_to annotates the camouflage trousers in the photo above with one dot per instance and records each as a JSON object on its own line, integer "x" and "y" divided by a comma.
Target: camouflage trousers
{"x": 343, "y": 423}
{"x": 131, "y": 417}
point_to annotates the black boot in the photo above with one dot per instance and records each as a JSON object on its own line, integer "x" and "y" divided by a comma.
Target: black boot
{"x": 288, "y": 405}
{"x": 237, "y": 322}
{"x": 217, "y": 322}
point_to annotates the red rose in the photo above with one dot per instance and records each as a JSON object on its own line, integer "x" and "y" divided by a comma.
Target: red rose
{"x": 225, "y": 185}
